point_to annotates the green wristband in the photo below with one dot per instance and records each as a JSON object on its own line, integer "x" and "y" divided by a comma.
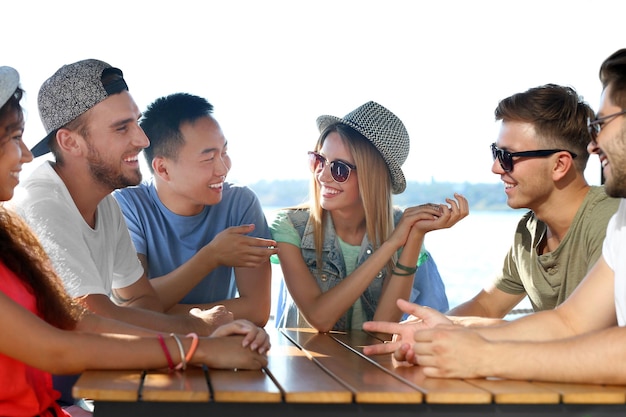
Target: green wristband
{"x": 402, "y": 274}
{"x": 406, "y": 268}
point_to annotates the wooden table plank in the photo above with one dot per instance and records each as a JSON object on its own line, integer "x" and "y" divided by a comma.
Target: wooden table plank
{"x": 585, "y": 393}
{"x": 507, "y": 391}
{"x": 436, "y": 391}
{"x": 368, "y": 382}
{"x": 108, "y": 385}
{"x": 188, "y": 386}
{"x": 244, "y": 386}
{"x": 301, "y": 379}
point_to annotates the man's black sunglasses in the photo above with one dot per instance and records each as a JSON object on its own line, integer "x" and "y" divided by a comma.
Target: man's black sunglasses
{"x": 339, "y": 170}
{"x": 506, "y": 158}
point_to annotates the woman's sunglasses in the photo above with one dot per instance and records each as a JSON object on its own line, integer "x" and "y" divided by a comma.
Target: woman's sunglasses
{"x": 339, "y": 170}
{"x": 506, "y": 158}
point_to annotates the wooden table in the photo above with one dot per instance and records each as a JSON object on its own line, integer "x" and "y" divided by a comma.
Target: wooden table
{"x": 312, "y": 374}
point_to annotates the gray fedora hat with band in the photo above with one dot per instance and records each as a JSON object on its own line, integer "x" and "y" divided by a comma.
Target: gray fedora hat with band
{"x": 9, "y": 81}
{"x": 384, "y": 130}
{"x": 71, "y": 91}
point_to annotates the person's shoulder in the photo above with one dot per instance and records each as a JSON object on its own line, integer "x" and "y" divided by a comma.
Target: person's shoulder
{"x": 237, "y": 188}
{"x": 598, "y": 208}
{"x": 599, "y": 199}
{"x": 43, "y": 174}
{"x": 42, "y": 184}
{"x": 109, "y": 203}
{"x": 240, "y": 193}
{"x": 135, "y": 193}
{"x": 295, "y": 213}
{"x": 598, "y": 192}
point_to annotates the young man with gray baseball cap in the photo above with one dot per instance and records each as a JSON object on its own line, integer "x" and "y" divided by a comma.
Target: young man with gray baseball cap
{"x": 92, "y": 128}
{"x": 91, "y": 121}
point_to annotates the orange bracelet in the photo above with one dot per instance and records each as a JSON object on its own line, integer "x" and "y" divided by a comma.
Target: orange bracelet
{"x": 194, "y": 346}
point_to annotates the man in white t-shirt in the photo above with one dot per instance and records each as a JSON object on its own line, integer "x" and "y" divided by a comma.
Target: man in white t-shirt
{"x": 92, "y": 129}
{"x": 582, "y": 340}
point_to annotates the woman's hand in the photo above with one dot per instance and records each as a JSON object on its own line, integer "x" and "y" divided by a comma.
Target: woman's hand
{"x": 448, "y": 216}
{"x": 254, "y": 337}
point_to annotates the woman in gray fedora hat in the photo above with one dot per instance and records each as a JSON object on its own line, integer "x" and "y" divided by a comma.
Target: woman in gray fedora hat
{"x": 348, "y": 254}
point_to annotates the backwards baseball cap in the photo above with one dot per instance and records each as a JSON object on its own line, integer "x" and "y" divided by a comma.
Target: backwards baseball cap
{"x": 71, "y": 91}
{"x": 9, "y": 81}
{"x": 384, "y": 130}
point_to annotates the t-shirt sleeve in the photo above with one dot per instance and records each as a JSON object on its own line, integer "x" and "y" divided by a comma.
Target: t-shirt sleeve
{"x": 595, "y": 224}
{"x": 283, "y": 231}
{"x": 509, "y": 280}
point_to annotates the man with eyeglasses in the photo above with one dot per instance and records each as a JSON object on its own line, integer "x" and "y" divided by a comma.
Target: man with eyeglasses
{"x": 540, "y": 156}
{"x": 581, "y": 341}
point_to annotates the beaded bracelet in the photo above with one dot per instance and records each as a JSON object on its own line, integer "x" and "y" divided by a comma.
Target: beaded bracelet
{"x": 183, "y": 363}
{"x": 170, "y": 363}
{"x": 194, "y": 345}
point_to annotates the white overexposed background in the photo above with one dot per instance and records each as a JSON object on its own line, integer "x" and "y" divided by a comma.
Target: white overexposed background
{"x": 270, "y": 67}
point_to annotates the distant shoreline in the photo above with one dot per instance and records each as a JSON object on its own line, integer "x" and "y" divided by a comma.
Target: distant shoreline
{"x": 481, "y": 196}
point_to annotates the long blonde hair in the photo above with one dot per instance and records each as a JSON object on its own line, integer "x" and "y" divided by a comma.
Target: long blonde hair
{"x": 374, "y": 183}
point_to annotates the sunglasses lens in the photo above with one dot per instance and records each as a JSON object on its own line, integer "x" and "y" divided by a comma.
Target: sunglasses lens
{"x": 316, "y": 161}
{"x": 339, "y": 171}
{"x": 505, "y": 158}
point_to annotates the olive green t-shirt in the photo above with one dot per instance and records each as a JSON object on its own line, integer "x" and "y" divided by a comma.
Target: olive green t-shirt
{"x": 550, "y": 278}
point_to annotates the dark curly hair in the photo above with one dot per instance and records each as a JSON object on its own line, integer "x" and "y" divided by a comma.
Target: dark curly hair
{"x": 22, "y": 253}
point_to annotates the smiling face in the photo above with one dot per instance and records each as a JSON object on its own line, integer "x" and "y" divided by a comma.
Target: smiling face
{"x": 195, "y": 178}
{"x": 529, "y": 184}
{"x": 335, "y": 195}
{"x": 114, "y": 142}
{"x": 610, "y": 145}
{"x": 13, "y": 152}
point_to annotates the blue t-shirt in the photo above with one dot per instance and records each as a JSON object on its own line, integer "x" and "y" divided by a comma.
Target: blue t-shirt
{"x": 168, "y": 240}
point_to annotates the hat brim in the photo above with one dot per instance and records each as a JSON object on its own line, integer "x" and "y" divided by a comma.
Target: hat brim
{"x": 9, "y": 81}
{"x": 398, "y": 181}
{"x": 42, "y": 147}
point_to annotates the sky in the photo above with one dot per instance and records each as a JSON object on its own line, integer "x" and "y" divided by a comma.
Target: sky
{"x": 271, "y": 67}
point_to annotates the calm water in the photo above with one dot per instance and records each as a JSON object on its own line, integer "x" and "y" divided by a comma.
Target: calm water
{"x": 468, "y": 255}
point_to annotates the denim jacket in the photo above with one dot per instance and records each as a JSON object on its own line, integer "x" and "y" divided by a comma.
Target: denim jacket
{"x": 427, "y": 282}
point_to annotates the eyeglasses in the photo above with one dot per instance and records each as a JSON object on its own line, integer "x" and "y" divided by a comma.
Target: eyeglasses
{"x": 339, "y": 170}
{"x": 595, "y": 126}
{"x": 506, "y": 158}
